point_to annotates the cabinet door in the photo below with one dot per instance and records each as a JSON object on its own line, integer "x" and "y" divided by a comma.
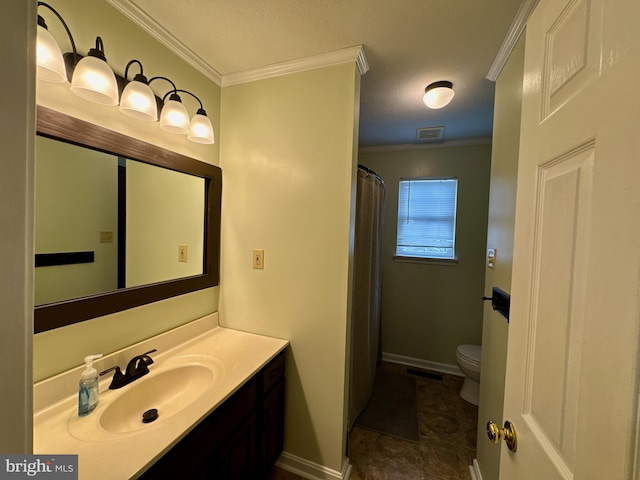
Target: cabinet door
{"x": 273, "y": 425}
{"x": 236, "y": 459}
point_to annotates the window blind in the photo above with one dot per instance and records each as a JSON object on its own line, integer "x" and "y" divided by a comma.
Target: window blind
{"x": 427, "y": 218}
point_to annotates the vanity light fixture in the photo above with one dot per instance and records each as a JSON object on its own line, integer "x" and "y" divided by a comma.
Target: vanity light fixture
{"x": 93, "y": 78}
{"x": 438, "y": 94}
{"x": 138, "y": 100}
{"x": 174, "y": 117}
{"x": 200, "y": 128}
{"x": 49, "y": 59}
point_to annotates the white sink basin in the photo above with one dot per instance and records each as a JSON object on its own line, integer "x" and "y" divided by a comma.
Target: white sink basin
{"x": 168, "y": 392}
{"x": 168, "y": 388}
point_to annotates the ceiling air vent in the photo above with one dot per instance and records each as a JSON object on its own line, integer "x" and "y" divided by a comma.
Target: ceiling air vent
{"x": 429, "y": 133}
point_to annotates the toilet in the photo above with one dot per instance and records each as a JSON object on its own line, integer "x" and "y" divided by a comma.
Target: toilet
{"x": 468, "y": 358}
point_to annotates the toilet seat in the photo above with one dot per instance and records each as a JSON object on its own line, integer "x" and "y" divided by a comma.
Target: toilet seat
{"x": 470, "y": 353}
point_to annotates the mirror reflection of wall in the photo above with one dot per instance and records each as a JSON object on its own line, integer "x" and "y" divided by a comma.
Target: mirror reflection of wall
{"x": 165, "y": 210}
{"x": 76, "y": 199}
{"x": 136, "y": 242}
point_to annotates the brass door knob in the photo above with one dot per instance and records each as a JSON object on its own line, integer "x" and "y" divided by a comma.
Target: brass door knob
{"x": 508, "y": 433}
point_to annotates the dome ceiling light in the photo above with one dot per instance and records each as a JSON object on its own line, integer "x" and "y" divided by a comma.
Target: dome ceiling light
{"x": 438, "y": 94}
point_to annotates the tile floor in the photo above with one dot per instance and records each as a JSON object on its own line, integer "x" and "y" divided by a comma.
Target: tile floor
{"x": 448, "y": 427}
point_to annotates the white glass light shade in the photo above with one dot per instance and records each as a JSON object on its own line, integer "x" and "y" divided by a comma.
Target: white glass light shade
{"x": 138, "y": 101}
{"x": 438, "y": 95}
{"x": 94, "y": 80}
{"x": 49, "y": 58}
{"x": 201, "y": 130}
{"x": 174, "y": 117}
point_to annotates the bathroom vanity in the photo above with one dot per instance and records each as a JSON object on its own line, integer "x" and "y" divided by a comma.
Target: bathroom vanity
{"x": 242, "y": 438}
{"x": 219, "y": 394}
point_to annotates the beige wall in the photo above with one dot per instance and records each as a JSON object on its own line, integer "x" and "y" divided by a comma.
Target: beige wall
{"x": 428, "y": 310}
{"x": 287, "y": 150}
{"x": 64, "y": 348}
{"x": 504, "y": 167}
{"x": 17, "y": 34}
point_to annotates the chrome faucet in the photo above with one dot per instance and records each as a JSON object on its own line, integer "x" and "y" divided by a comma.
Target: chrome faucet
{"x": 137, "y": 367}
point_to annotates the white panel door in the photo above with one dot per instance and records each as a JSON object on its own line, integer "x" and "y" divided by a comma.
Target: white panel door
{"x": 572, "y": 364}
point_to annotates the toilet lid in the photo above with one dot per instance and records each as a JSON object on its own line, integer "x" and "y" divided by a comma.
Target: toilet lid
{"x": 473, "y": 353}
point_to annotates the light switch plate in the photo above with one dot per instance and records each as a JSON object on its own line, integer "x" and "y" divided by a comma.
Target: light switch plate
{"x": 182, "y": 253}
{"x": 491, "y": 257}
{"x": 258, "y": 259}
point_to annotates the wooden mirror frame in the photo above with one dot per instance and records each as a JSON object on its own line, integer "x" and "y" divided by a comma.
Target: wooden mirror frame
{"x": 62, "y": 127}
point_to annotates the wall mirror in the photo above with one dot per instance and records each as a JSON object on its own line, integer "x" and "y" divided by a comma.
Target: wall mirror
{"x": 119, "y": 222}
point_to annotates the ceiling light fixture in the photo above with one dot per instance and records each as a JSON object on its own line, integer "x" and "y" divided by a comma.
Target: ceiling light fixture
{"x": 438, "y": 94}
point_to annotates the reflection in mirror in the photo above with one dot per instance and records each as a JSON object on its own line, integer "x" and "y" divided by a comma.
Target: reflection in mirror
{"x": 165, "y": 227}
{"x": 134, "y": 219}
{"x": 76, "y": 199}
{"x": 119, "y": 223}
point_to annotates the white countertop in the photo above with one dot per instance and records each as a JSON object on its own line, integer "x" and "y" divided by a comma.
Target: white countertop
{"x": 115, "y": 456}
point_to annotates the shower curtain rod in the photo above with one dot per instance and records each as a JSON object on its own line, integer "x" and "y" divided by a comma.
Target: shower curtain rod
{"x": 370, "y": 172}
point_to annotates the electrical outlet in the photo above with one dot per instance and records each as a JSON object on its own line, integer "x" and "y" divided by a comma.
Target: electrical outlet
{"x": 258, "y": 259}
{"x": 182, "y": 253}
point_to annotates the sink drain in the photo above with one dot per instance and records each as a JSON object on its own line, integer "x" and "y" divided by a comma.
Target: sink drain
{"x": 150, "y": 415}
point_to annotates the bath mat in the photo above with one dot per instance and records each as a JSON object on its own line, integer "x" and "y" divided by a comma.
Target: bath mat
{"x": 393, "y": 407}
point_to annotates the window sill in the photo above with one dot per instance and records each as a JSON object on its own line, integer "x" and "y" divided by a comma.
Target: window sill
{"x": 451, "y": 262}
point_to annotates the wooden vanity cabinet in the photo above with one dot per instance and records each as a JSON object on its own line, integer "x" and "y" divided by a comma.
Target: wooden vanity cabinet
{"x": 271, "y": 415}
{"x": 241, "y": 439}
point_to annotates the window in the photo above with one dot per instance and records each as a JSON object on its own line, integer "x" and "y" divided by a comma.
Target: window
{"x": 427, "y": 218}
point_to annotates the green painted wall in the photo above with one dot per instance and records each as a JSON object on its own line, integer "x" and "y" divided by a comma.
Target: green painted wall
{"x": 64, "y": 348}
{"x": 428, "y": 310}
{"x": 502, "y": 203}
{"x": 288, "y": 157}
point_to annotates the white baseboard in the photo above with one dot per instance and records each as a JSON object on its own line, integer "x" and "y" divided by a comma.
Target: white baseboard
{"x": 311, "y": 470}
{"x": 474, "y": 468}
{"x": 424, "y": 364}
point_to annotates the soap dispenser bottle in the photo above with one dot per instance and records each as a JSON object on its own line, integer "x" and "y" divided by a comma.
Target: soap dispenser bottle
{"x": 88, "y": 391}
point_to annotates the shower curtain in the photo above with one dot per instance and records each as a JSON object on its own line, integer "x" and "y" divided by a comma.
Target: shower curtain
{"x": 367, "y": 283}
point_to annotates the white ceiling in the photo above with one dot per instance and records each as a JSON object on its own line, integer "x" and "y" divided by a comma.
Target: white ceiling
{"x": 408, "y": 44}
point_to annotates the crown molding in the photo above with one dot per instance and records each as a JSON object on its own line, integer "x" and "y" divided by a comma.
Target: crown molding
{"x": 157, "y": 31}
{"x": 510, "y": 40}
{"x": 337, "y": 57}
{"x": 424, "y": 146}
